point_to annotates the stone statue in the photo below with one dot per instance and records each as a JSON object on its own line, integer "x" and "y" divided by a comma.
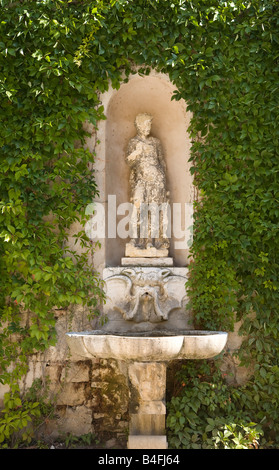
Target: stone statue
{"x": 148, "y": 190}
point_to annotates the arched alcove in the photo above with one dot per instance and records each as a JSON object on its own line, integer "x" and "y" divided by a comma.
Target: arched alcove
{"x": 144, "y": 94}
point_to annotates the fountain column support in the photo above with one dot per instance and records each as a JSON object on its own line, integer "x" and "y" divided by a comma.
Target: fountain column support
{"x": 147, "y": 378}
{"x": 147, "y": 405}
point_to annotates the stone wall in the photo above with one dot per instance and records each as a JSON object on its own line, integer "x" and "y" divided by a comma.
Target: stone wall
{"x": 88, "y": 396}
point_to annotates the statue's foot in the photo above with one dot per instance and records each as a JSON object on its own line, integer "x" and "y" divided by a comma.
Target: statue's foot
{"x": 141, "y": 243}
{"x": 165, "y": 244}
{"x": 162, "y": 244}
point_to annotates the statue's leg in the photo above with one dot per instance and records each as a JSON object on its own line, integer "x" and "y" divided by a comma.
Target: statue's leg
{"x": 162, "y": 240}
{"x": 151, "y": 228}
{"x": 138, "y": 198}
{"x": 134, "y": 225}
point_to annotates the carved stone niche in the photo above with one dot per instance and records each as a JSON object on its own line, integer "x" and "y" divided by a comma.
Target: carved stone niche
{"x": 153, "y": 95}
{"x": 145, "y": 298}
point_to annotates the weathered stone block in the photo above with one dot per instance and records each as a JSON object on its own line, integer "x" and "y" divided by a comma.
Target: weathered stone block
{"x": 77, "y": 372}
{"x": 72, "y": 394}
{"x": 77, "y": 421}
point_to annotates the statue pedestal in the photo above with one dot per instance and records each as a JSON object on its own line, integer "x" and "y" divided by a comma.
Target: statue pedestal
{"x": 151, "y": 256}
{"x": 132, "y": 251}
{"x": 166, "y": 261}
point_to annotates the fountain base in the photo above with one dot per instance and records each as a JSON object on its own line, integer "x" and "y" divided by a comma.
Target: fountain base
{"x": 147, "y": 442}
{"x": 147, "y": 409}
{"x": 147, "y": 354}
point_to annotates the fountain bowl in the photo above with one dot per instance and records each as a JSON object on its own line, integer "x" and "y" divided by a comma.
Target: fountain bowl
{"x": 156, "y": 345}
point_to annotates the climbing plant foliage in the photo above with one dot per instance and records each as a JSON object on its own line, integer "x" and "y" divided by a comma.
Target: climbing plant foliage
{"x": 56, "y": 56}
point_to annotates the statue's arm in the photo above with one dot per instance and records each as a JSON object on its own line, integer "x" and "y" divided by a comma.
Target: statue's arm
{"x": 130, "y": 147}
{"x": 133, "y": 151}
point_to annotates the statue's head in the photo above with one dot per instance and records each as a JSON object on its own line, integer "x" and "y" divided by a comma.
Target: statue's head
{"x": 143, "y": 123}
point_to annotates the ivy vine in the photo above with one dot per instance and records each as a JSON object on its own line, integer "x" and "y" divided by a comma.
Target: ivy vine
{"x": 56, "y": 56}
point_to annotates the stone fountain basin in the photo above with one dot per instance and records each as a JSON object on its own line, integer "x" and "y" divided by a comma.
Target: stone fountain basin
{"x": 147, "y": 346}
